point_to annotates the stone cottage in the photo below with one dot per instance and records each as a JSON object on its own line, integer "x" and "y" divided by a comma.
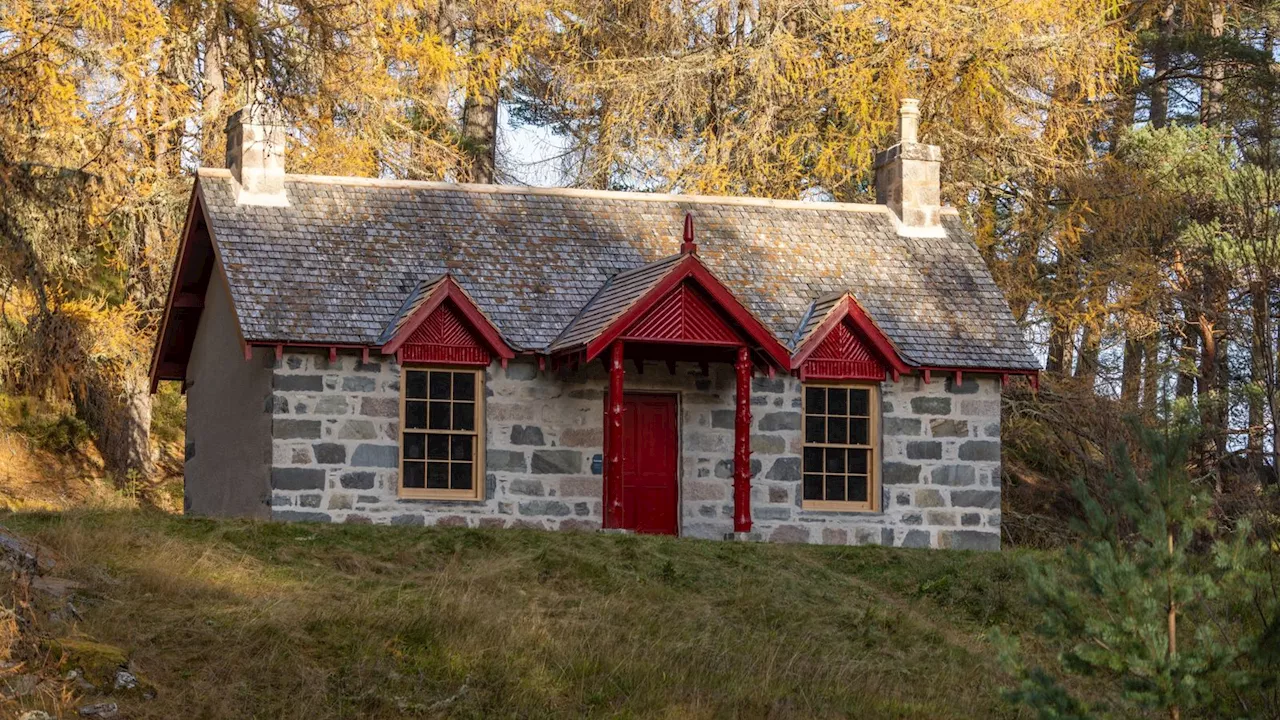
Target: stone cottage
{"x": 421, "y": 353}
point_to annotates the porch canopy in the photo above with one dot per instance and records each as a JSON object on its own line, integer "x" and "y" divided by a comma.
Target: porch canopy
{"x": 672, "y": 309}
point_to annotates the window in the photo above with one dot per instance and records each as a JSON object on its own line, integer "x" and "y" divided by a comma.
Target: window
{"x": 441, "y": 423}
{"x": 841, "y": 436}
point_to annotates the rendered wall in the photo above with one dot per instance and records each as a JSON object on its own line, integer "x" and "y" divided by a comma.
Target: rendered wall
{"x": 228, "y": 444}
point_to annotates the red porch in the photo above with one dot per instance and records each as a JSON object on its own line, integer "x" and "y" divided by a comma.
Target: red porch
{"x": 673, "y": 310}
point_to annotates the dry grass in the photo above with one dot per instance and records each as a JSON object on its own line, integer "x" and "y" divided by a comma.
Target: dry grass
{"x": 239, "y": 620}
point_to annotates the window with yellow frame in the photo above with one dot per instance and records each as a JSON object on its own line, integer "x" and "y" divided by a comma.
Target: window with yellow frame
{"x": 841, "y": 447}
{"x": 441, "y": 433}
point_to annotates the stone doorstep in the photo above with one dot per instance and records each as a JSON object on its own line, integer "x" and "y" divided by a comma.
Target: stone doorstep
{"x": 744, "y": 537}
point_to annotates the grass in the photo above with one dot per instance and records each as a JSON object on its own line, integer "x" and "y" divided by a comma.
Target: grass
{"x": 233, "y": 619}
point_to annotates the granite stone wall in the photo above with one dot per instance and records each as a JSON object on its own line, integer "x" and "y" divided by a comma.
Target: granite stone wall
{"x": 334, "y": 453}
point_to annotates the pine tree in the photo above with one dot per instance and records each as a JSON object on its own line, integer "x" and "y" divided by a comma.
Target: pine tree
{"x": 1148, "y": 616}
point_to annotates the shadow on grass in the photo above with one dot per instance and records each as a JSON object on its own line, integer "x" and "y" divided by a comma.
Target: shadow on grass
{"x": 244, "y": 619}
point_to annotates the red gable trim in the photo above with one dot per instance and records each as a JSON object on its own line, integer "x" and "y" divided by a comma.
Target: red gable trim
{"x": 184, "y": 301}
{"x": 684, "y": 316}
{"x": 647, "y": 313}
{"x": 866, "y": 333}
{"x": 455, "y": 322}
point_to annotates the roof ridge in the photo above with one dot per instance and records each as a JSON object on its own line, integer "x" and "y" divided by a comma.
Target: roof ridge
{"x": 576, "y": 192}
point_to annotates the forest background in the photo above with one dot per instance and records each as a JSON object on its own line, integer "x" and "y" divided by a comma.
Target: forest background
{"x": 1116, "y": 161}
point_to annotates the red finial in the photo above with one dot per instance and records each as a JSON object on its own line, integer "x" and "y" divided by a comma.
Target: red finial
{"x": 688, "y": 246}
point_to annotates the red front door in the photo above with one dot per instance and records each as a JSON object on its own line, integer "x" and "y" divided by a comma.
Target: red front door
{"x": 650, "y": 449}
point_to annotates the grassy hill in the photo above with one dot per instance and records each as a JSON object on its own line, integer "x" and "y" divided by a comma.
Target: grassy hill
{"x": 250, "y": 620}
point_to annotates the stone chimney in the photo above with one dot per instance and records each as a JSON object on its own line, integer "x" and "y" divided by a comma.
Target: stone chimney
{"x": 908, "y": 178}
{"x": 255, "y": 155}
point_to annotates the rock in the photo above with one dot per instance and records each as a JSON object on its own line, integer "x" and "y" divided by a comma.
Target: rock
{"x": 55, "y": 586}
{"x": 18, "y": 686}
{"x": 35, "y": 715}
{"x": 25, "y": 555}
{"x": 100, "y": 710}
{"x": 97, "y": 662}
{"x": 125, "y": 680}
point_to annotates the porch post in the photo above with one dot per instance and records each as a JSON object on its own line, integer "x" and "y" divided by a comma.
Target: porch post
{"x": 613, "y": 439}
{"x": 742, "y": 445}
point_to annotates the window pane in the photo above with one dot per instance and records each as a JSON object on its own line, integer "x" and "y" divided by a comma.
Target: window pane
{"x": 837, "y": 430}
{"x": 815, "y": 400}
{"x": 812, "y": 487}
{"x": 438, "y": 447}
{"x": 464, "y": 416}
{"x": 414, "y": 475}
{"x": 835, "y": 460}
{"x": 461, "y": 449}
{"x": 857, "y": 488}
{"x": 464, "y": 386}
{"x": 859, "y": 431}
{"x": 858, "y": 461}
{"x": 859, "y": 402}
{"x": 439, "y": 416}
{"x": 812, "y": 459}
{"x": 460, "y": 476}
{"x": 415, "y": 384}
{"x": 415, "y": 446}
{"x": 815, "y": 429}
{"x": 835, "y": 487}
{"x": 438, "y": 475}
{"x": 837, "y": 401}
{"x": 415, "y": 415}
{"x": 440, "y": 385}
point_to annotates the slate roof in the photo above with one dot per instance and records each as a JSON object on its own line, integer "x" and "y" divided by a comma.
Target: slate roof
{"x": 416, "y": 297}
{"x": 619, "y": 293}
{"x": 336, "y": 265}
{"x": 818, "y": 311}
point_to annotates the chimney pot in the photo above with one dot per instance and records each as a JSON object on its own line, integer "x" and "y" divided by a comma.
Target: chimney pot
{"x": 255, "y": 155}
{"x": 909, "y": 120}
{"x": 908, "y": 177}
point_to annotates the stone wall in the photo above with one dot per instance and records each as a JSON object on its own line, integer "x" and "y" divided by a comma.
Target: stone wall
{"x": 334, "y": 453}
{"x": 940, "y": 471}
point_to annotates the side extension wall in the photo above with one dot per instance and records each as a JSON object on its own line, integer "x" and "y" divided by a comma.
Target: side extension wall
{"x": 228, "y": 445}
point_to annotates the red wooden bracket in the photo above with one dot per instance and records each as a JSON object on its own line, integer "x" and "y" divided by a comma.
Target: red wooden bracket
{"x": 1004, "y": 380}
{"x": 333, "y": 354}
{"x": 248, "y": 352}
{"x": 364, "y": 355}
{"x": 279, "y": 353}
{"x": 928, "y": 376}
{"x": 959, "y": 377}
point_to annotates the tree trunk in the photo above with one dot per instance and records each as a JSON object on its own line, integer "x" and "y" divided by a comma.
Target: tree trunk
{"x": 214, "y": 91}
{"x": 1259, "y": 367}
{"x": 480, "y": 111}
{"x": 118, "y": 408}
{"x": 1151, "y": 373}
{"x": 1160, "y": 61}
{"x": 1131, "y": 372}
{"x": 1211, "y": 100}
{"x": 1091, "y": 339}
{"x": 1060, "y": 358}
